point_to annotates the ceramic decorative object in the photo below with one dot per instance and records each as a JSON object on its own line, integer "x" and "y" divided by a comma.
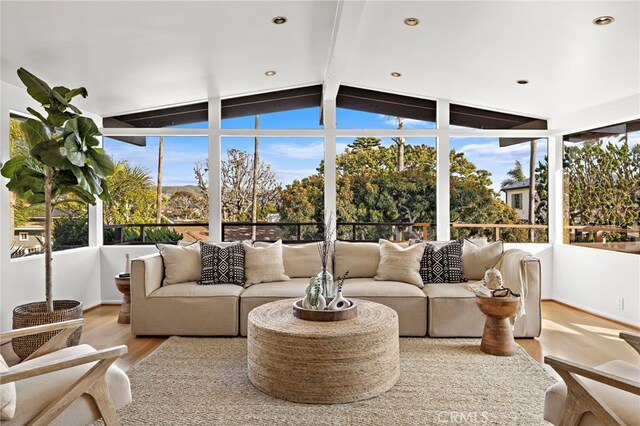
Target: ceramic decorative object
{"x": 313, "y": 298}
{"x": 127, "y": 263}
{"x": 339, "y": 303}
{"x": 493, "y": 278}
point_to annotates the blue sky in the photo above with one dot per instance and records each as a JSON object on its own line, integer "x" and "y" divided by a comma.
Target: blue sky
{"x": 295, "y": 158}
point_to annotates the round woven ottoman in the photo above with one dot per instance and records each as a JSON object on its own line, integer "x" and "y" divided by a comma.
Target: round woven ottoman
{"x": 323, "y": 362}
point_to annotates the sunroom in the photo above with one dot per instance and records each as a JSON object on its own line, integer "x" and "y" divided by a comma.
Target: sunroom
{"x": 405, "y": 121}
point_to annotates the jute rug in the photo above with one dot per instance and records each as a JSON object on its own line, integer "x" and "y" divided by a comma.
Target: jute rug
{"x": 203, "y": 381}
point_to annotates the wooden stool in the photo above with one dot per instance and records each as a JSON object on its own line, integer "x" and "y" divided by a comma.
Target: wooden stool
{"x": 497, "y": 336}
{"x": 123, "y": 285}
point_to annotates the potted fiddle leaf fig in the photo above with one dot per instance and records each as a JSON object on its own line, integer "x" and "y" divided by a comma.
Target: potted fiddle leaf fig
{"x": 64, "y": 165}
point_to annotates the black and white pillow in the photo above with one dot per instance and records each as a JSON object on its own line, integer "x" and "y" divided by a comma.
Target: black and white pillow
{"x": 221, "y": 265}
{"x": 442, "y": 265}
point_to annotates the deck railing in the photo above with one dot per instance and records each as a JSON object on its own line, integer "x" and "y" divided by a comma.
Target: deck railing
{"x": 293, "y": 232}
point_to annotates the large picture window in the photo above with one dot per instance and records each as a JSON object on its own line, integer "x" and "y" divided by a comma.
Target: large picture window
{"x": 602, "y": 188}
{"x": 155, "y": 191}
{"x": 490, "y": 189}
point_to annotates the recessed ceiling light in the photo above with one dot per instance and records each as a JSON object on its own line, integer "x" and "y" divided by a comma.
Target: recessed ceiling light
{"x": 603, "y": 20}
{"x": 396, "y": 74}
{"x": 522, "y": 81}
{"x": 270, "y": 73}
{"x": 279, "y": 20}
{"x": 412, "y": 22}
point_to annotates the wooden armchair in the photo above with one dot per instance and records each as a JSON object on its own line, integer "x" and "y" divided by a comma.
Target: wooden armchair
{"x": 608, "y": 394}
{"x": 60, "y": 385}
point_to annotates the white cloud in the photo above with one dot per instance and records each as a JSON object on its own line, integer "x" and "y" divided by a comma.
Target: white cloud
{"x": 299, "y": 151}
{"x": 494, "y": 149}
{"x": 409, "y": 123}
{"x": 287, "y": 176}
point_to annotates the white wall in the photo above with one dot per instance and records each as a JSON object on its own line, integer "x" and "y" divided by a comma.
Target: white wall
{"x": 112, "y": 260}
{"x": 595, "y": 280}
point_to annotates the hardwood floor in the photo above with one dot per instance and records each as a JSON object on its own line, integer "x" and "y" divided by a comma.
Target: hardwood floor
{"x": 567, "y": 332}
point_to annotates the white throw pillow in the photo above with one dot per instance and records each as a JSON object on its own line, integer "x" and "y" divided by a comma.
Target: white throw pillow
{"x": 400, "y": 264}
{"x": 181, "y": 264}
{"x": 263, "y": 264}
{"x": 303, "y": 260}
{"x": 7, "y": 395}
{"x": 475, "y": 259}
{"x": 360, "y": 259}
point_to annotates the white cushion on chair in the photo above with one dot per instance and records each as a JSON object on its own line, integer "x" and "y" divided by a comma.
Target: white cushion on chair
{"x": 7, "y": 395}
{"x": 625, "y": 404}
{"x": 34, "y": 394}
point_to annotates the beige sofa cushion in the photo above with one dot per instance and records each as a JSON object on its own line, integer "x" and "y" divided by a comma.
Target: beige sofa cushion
{"x": 181, "y": 263}
{"x": 263, "y": 264}
{"x": 400, "y": 264}
{"x": 192, "y": 289}
{"x": 475, "y": 259}
{"x": 367, "y": 288}
{"x": 7, "y": 395}
{"x": 302, "y": 260}
{"x": 360, "y": 259}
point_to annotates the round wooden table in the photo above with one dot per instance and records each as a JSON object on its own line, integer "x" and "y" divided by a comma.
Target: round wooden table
{"x": 323, "y": 362}
{"x": 497, "y": 336}
{"x": 123, "y": 285}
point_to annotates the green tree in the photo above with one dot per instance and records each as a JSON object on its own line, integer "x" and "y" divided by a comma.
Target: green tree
{"x": 515, "y": 175}
{"x": 133, "y": 196}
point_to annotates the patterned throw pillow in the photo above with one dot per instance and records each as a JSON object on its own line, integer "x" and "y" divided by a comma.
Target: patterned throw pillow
{"x": 442, "y": 265}
{"x": 222, "y": 265}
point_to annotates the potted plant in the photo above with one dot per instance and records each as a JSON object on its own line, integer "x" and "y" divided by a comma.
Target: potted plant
{"x": 64, "y": 164}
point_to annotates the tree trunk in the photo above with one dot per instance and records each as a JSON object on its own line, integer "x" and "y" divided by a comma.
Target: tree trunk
{"x": 254, "y": 183}
{"x": 532, "y": 189}
{"x": 400, "y": 141}
{"x": 159, "y": 190}
{"x": 48, "y": 183}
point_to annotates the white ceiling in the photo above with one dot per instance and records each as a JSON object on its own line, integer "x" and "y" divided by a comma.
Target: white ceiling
{"x": 140, "y": 55}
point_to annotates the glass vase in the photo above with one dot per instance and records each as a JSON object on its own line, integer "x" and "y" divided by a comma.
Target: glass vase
{"x": 328, "y": 286}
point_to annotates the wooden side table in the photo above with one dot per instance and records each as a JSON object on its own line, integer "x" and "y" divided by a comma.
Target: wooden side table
{"x": 497, "y": 336}
{"x": 123, "y": 285}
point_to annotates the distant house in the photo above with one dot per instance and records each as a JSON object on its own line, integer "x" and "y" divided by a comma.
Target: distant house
{"x": 517, "y": 197}
{"x": 29, "y": 238}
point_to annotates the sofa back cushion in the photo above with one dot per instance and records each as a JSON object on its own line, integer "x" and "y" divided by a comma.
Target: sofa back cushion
{"x": 400, "y": 264}
{"x": 475, "y": 259}
{"x": 360, "y": 259}
{"x": 7, "y": 395}
{"x": 263, "y": 264}
{"x": 303, "y": 260}
{"x": 181, "y": 263}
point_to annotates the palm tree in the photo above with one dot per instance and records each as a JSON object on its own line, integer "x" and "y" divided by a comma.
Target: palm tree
{"x": 515, "y": 175}
{"x": 159, "y": 190}
{"x": 254, "y": 184}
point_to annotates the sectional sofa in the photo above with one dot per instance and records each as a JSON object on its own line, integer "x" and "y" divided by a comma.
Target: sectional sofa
{"x": 436, "y": 310}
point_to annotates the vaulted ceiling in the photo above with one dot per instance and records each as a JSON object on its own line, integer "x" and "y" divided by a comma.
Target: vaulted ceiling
{"x": 139, "y": 55}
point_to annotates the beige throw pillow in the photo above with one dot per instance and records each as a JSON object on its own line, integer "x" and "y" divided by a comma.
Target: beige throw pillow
{"x": 181, "y": 263}
{"x": 263, "y": 264}
{"x": 360, "y": 259}
{"x": 475, "y": 259}
{"x": 400, "y": 264}
{"x": 7, "y": 395}
{"x": 303, "y": 260}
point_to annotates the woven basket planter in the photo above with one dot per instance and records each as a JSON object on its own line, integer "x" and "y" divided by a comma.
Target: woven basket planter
{"x": 36, "y": 313}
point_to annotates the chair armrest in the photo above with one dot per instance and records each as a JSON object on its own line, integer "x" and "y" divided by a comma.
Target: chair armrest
{"x": 632, "y": 339}
{"x": 563, "y": 366}
{"x": 27, "y": 331}
{"x": 19, "y": 372}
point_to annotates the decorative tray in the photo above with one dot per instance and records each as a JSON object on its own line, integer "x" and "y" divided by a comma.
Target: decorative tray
{"x": 313, "y": 315}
